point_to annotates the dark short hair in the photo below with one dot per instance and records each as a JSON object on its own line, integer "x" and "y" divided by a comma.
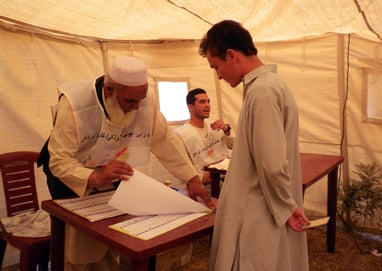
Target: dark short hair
{"x": 190, "y": 98}
{"x": 225, "y": 35}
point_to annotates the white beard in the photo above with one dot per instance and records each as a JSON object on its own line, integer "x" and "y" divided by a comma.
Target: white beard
{"x": 116, "y": 114}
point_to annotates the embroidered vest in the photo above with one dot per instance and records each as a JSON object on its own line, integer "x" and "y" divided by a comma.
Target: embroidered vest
{"x": 100, "y": 140}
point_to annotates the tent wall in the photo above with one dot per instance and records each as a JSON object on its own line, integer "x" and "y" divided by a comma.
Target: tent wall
{"x": 364, "y": 137}
{"x": 30, "y": 69}
{"x": 32, "y": 66}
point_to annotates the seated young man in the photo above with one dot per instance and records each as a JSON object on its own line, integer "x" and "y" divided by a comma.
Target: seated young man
{"x": 206, "y": 142}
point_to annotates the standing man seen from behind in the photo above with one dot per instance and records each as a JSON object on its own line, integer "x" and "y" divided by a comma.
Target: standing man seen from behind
{"x": 96, "y": 119}
{"x": 206, "y": 142}
{"x": 259, "y": 221}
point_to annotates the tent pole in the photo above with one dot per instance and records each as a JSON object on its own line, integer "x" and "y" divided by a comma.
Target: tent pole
{"x": 342, "y": 100}
{"x": 218, "y": 97}
{"x": 105, "y": 59}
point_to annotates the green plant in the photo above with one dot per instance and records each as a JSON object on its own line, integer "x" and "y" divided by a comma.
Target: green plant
{"x": 361, "y": 207}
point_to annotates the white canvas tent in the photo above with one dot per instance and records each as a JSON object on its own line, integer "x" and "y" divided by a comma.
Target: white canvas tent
{"x": 323, "y": 50}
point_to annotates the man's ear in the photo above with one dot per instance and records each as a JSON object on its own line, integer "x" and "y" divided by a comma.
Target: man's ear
{"x": 230, "y": 54}
{"x": 108, "y": 92}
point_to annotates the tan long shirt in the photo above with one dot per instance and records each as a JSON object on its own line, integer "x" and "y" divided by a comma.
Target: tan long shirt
{"x": 262, "y": 187}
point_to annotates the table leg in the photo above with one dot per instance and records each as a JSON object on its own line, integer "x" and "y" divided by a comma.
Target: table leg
{"x": 332, "y": 209}
{"x": 215, "y": 184}
{"x": 57, "y": 244}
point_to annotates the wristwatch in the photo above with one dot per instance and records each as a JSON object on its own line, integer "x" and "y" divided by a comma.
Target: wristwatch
{"x": 228, "y": 128}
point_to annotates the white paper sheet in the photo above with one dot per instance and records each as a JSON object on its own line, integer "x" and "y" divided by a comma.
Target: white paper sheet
{"x": 317, "y": 222}
{"x": 222, "y": 165}
{"x": 143, "y": 195}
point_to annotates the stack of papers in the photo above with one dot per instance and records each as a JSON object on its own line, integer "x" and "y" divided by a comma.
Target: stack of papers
{"x": 94, "y": 207}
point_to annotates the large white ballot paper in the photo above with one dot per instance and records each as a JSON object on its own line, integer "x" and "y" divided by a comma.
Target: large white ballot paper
{"x": 157, "y": 207}
{"x": 142, "y": 195}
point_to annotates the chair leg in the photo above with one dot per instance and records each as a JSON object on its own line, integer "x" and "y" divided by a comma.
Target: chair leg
{"x": 3, "y": 246}
{"x": 28, "y": 260}
{"x": 44, "y": 260}
{"x": 43, "y": 266}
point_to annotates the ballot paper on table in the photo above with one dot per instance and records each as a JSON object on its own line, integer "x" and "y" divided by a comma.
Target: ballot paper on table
{"x": 142, "y": 195}
{"x": 93, "y": 207}
{"x": 149, "y": 226}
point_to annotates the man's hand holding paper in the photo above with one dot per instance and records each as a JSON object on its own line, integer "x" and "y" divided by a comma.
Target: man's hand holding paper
{"x": 197, "y": 190}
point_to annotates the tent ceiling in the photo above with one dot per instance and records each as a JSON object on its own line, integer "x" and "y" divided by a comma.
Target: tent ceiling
{"x": 189, "y": 19}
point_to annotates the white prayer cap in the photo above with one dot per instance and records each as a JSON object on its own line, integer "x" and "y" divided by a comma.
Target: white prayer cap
{"x": 128, "y": 71}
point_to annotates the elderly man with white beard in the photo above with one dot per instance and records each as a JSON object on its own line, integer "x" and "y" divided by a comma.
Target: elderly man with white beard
{"x": 95, "y": 120}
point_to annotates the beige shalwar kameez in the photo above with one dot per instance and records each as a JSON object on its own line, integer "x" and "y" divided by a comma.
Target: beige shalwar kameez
{"x": 80, "y": 249}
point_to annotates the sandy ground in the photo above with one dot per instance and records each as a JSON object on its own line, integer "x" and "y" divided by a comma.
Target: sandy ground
{"x": 346, "y": 258}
